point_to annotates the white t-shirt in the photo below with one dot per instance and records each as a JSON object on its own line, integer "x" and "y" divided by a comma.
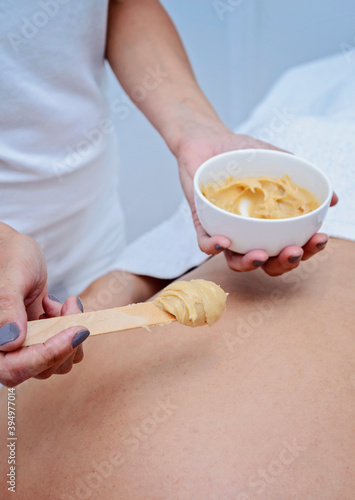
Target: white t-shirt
{"x": 58, "y": 155}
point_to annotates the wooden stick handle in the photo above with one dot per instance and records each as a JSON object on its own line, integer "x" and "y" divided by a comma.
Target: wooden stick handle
{"x": 99, "y": 322}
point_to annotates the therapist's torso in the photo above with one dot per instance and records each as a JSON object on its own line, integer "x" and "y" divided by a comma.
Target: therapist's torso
{"x": 58, "y": 156}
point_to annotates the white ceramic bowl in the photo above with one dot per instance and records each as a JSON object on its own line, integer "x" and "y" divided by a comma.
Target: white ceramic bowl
{"x": 247, "y": 233}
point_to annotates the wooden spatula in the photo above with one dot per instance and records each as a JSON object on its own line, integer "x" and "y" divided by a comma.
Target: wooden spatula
{"x": 99, "y": 322}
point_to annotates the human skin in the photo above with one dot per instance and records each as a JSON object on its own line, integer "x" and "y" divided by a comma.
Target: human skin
{"x": 261, "y": 405}
{"x": 23, "y": 296}
{"x": 119, "y": 288}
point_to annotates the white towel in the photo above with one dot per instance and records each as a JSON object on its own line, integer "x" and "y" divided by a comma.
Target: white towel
{"x": 311, "y": 112}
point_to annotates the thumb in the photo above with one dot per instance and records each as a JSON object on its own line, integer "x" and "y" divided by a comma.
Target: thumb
{"x": 13, "y": 319}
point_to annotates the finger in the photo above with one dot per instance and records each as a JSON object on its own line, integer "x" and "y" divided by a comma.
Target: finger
{"x": 52, "y": 306}
{"x": 248, "y": 262}
{"x": 61, "y": 368}
{"x": 35, "y": 310}
{"x": 66, "y": 366}
{"x": 72, "y": 305}
{"x": 287, "y": 260}
{"x": 316, "y": 244}
{"x": 211, "y": 245}
{"x": 334, "y": 200}
{"x": 13, "y": 318}
{"x": 79, "y": 355}
{"x": 27, "y": 362}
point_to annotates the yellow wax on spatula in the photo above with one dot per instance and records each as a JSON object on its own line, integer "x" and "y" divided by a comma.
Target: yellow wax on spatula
{"x": 192, "y": 303}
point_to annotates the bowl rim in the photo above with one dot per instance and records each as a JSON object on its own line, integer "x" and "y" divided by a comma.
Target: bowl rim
{"x": 269, "y": 152}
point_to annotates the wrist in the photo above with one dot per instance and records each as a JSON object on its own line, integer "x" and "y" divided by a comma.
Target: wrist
{"x": 190, "y": 119}
{"x": 192, "y": 125}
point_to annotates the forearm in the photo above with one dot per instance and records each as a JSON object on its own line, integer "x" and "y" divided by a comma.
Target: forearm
{"x": 148, "y": 58}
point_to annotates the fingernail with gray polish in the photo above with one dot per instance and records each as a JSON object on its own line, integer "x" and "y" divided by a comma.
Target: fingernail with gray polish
{"x": 321, "y": 245}
{"x": 54, "y": 298}
{"x": 295, "y": 259}
{"x": 80, "y": 337}
{"x": 219, "y": 248}
{"x": 8, "y": 333}
{"x": 80, "y": 304}
{"x": 258, "y": 263}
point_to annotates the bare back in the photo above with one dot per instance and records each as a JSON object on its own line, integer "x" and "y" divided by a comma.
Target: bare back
{"x": 261, "y": 405}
